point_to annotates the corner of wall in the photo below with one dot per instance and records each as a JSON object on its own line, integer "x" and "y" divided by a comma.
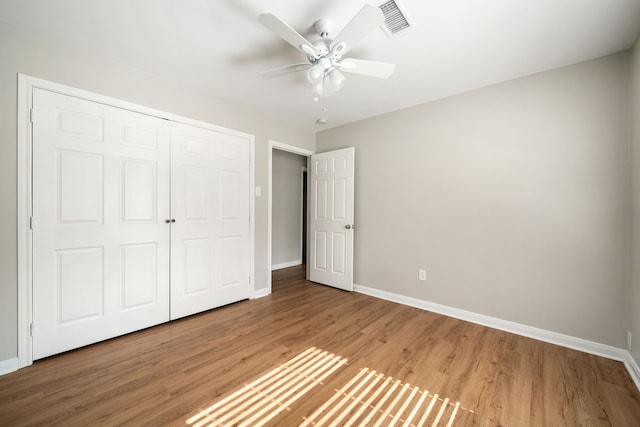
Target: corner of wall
{"x": 633, "y": 308}
{"x": 633, "y": 369}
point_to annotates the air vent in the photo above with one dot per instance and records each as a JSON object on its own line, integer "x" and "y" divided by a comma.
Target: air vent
{"x": 395, "y": 19}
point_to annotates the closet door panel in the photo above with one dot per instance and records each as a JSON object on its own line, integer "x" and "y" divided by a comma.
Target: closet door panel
{"x": 210, "y": 205}
{"x": 100, "y": 243}
{"x": 233, "y": 214}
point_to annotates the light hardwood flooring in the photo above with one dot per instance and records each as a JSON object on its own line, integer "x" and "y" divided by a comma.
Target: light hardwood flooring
{"x": 312, "y": 355}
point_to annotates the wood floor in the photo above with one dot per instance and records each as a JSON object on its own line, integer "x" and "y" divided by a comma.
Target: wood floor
{"x": 313, "y": 355}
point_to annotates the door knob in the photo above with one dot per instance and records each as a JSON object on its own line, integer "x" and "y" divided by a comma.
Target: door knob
{"x": 348, "y": 226}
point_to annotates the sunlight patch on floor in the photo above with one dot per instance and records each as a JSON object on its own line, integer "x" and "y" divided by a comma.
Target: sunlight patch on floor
{"x": 373, "y": 399}
{"x": 258, "y": 402}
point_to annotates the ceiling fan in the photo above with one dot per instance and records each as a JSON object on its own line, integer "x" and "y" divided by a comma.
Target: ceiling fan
{"x": 325, "y": 55}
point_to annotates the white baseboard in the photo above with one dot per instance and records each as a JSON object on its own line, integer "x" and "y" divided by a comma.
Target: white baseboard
{"x": 286, "y": 264}
{"x": 504, "y": 325}
{"x": 633, "y": 368}
{"x": 259, "y": 293}
{"x": 8, "y": 366}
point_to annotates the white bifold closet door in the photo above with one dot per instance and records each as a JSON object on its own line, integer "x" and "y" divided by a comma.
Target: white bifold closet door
{"x": 107, "y": 185}
{"x": 100, "y": 242}
{"x": 210, "y": 205}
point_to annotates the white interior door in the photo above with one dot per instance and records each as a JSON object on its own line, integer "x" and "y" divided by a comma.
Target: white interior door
{"x": 100, "y": 242}
{"x": 331, "y": 189}
{"x": 210, "y": 204}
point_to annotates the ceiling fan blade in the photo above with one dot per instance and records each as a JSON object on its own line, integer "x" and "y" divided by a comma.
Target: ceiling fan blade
{"x": 276, "y": 72}
{"x": 284, "y": 31}
{"x": 362, "y": 24}
{"x": 365, "y": 67}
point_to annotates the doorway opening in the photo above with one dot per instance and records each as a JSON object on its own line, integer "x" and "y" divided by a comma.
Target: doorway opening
{"x": 287, "y": 222}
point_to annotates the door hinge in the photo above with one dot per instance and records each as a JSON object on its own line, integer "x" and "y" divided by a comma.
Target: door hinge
{"x": 30, "y": 329}
{"x": 31, "y": 223}
{"x": 31, "y": 115}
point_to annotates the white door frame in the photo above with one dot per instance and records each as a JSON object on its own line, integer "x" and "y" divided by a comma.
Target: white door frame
{"x": 275, "y": 145}
{"x": 26, "y": 84}
{"x": 303, "y": 230}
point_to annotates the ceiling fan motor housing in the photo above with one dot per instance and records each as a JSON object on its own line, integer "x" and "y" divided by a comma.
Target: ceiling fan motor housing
{"x": 323, "y": 27}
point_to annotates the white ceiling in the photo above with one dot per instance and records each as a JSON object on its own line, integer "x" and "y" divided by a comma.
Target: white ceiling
{"x": 219, "y": 46}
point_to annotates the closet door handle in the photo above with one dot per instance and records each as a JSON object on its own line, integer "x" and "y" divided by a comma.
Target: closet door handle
{"x": 168, "y": 221}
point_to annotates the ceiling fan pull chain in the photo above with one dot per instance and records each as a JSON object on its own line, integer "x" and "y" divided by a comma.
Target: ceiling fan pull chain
{"x": 324, "y": 91}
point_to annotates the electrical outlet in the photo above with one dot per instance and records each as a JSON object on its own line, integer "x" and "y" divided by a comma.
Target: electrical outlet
{"x": 422, "y": 274}
{"x": 629, "y": 336}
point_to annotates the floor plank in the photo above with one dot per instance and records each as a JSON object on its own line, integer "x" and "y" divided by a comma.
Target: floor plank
{"x": 313, "y": 355}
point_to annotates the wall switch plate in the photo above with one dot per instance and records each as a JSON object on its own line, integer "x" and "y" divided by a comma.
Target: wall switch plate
{"x": 422, "y": 274}
{"x": 258, "y": 191}
{"x": 629, "y": 336}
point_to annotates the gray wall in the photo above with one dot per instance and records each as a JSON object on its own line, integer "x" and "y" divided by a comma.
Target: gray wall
{"x": 514, "y": 198}
{"x": 286, "y": 207}
{"x": 82, "y": 69}
{"x": 634, "y": 126}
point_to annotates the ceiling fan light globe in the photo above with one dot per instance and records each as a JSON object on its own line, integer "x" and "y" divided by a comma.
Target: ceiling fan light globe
{"x": 329, "y": 91}
{"x": 323, "y": 89}
{"x": 318, "y": 89}
{"x": 337, "y": 79}
{"x": 315, "y": 73}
